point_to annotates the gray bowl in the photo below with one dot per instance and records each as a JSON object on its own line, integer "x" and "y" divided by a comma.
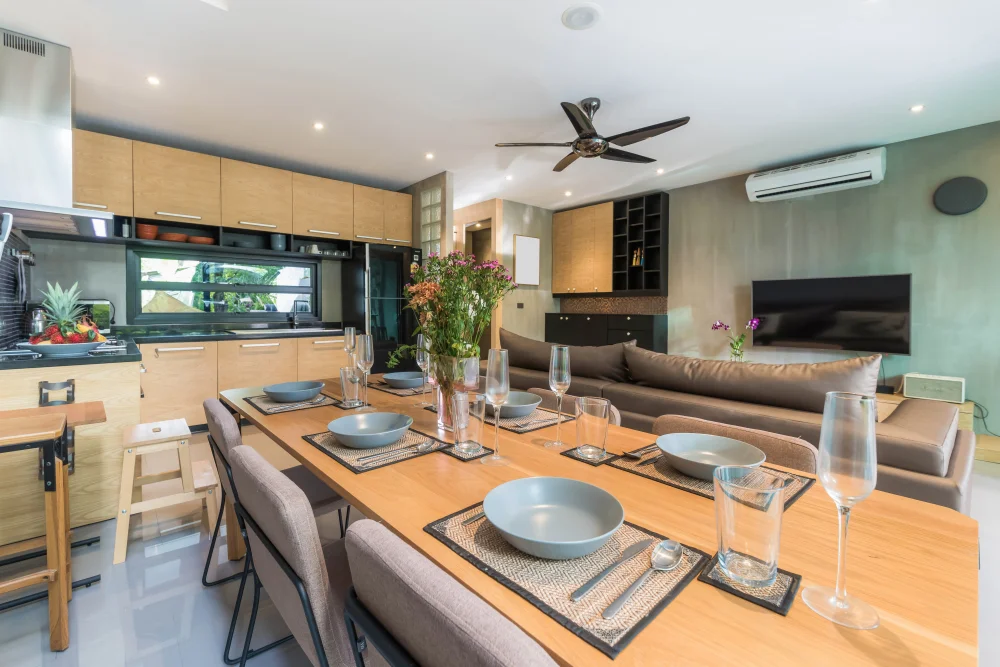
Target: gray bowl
{"x": 699, "y": 454}
{"x": 519, "y": 404}
{"x": 293, "y": 392}
{"x": 370, "y": 429}
{"x": 61, "y": 350}
{"x": 404, "y": 380}
{"x": 553, "y": 517}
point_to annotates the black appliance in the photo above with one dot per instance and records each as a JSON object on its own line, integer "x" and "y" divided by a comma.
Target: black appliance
{"x": 372, "y": 283}
{"x": 862, "y": 313}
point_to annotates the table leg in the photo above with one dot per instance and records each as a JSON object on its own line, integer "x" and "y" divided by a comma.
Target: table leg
{"x": 234, "y": 540}
{"x": 69, "y": 555}
{"x": 56, "y": 559}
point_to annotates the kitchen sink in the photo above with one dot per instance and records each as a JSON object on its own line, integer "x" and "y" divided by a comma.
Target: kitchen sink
{"x": 279, "y": 332}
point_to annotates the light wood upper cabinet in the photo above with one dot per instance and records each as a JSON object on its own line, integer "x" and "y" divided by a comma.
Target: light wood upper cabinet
{"x": 321, "y": 358}
{"x": 604, "y": 230}
{"x": 255, "y": 363}
{"x": 398, "y": 217}
{"x": 582, "y": 249}
{"x": 180, "y": 186}
{"x": 562, "y": 224}
{"x": 256, "y": 198}
{"x": 369, "y": 214}
{"x": 178, "y": 378}
{"x": 102, "y": 172}
{"x": 322, "y": 207}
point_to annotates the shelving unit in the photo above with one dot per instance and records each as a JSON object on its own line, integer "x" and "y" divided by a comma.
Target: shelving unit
{"x": 640, "y": 231}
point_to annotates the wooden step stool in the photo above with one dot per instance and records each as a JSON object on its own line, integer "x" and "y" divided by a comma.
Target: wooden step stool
{"x": 198, "y": 479}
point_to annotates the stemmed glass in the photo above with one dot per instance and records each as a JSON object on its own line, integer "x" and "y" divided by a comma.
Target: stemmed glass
{"x": 559, "y": 381}
{"x": 497, "y": 390}
{"x": 349, "y": 344}
{"x": 423, "y": 361}
{"x": 366, "y": 358}
{"x": 847, "y": 468}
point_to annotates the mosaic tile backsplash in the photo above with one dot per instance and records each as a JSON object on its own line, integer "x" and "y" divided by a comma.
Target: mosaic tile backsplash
{"x": 614, "y": 305}
{"x": 11, "y": 311}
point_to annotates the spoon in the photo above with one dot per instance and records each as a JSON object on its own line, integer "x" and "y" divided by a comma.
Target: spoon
{"x": 666, "y": 556}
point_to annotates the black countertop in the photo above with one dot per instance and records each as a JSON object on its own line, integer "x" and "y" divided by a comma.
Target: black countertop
{"x": 200, "y": 336}
{"x": 128, "y": 353}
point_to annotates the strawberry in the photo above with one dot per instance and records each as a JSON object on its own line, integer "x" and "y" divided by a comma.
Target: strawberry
{"x": 76, "y": 337}
{"x": 35, "y": 340}
{"x": 57, "y": 338}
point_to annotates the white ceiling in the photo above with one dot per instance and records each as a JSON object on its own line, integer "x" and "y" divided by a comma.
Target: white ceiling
{"x": 764, "y": 82}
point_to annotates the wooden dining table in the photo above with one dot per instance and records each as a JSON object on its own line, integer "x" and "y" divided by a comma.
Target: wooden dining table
{"x": 916, "y": 563}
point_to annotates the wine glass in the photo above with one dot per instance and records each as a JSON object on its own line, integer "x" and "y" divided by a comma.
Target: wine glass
{"x": 423, "y": 361}
{"x": 559, "y": 381}
{"x": 366, "y": 358}
{"x": 349, "y": 344}
{"x": 847, "y": 468}
{"x": 497, "y": 390}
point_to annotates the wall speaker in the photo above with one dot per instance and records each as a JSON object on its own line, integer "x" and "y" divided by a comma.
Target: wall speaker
{"x": 960, "y": 195}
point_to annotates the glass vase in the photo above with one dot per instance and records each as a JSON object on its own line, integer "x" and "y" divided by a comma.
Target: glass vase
{"x": 736, "y": 354}
{"x": 451, "y": 375}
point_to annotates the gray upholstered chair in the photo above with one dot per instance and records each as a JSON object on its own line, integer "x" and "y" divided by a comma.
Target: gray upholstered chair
{"x": 306, "y": 583}
{"x": 413, "y": 613}
{"x": 569, "y": 404}
{"x": 782, "y": 450}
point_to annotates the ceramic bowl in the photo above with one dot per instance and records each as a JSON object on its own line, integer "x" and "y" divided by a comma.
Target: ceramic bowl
{"x": 201, "y": 240}
{"x": 519, "y": 404}
{"x": 293, "y": 392}
{"x": 144, "y": 231}
{"x": 404, "y": 380}
{"x": 370, "y": 429}
{"x": 61, "y": 350}
{"x": 699, "y": 454}
{"x": 171, "y": 236}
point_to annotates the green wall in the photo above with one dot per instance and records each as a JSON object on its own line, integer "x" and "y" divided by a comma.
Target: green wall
{"x": 720, "y": 242}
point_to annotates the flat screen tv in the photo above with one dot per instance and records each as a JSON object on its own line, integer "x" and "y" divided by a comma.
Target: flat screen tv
{"x": 862, "y": 314}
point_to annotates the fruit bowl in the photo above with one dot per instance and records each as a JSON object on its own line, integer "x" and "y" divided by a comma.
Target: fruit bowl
{"x": 61, "y": 349}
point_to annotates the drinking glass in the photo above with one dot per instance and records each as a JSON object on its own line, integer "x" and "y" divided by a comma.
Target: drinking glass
{"x": 497, "y": 390}
{"x": 847, "y": 467}
{"x": 592, "y": 426}
{"x": 559, "y": 381}
{"x": 748, "y": 507}
{"x": 423, "y": 361}
{"x": 350, "y": 342}
{"x": 469, "y": 417}
{"x": 366, "y": 358}
{"x": 350, "y": 379}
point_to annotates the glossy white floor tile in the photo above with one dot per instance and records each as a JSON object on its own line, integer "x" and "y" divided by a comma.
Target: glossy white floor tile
{"x": 986, "y": 510}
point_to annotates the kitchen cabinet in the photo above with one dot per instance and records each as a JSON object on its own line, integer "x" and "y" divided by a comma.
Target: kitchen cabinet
{"x": 562, "y": 262}
{"x": 175, "y": 185}
{"x": 102, "y": 172}
{"x": 176, "y": 379}
{"x": 649, "y": 331}
{"x": 253, "y": 363}
{"x": 256, "y": 198}
{"x": 321, "y": 358}
{"x": 322, "y": 207}
{"x": 582, "y": 250}
{"x": 369, "y": 214}
{"x": 398, "y": 217}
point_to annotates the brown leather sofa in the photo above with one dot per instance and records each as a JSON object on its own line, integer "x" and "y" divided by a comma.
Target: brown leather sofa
{"x": 922, "y": 453}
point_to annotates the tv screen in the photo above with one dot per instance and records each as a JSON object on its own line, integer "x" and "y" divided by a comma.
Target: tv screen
{"x": 862, "y": 314}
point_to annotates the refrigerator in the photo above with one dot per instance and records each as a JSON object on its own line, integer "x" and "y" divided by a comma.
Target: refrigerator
{"x": 373, "y": 302}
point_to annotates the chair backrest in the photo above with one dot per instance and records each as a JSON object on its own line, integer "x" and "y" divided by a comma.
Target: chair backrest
{"x": 225, "y": 432}
{"x": 436, "y": 619}
{"x": 782, "y": 450}
{"x": 569, "y": 404}
{"x": 288, "y": 557}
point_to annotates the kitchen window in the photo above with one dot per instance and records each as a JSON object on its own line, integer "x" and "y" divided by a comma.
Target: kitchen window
{"x": 192, "y": 287}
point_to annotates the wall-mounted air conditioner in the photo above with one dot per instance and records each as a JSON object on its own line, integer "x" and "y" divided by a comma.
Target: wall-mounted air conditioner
{"x": 853, "y": 170}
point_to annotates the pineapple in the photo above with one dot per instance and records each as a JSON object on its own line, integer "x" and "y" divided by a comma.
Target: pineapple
{"x": 62, "y": 311}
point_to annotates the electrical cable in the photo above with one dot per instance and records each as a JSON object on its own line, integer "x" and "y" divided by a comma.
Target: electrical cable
{"x": 983, "y": 414}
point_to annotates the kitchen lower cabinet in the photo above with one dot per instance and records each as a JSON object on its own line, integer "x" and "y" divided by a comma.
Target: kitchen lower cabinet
{"x": 176, "y": 379}
{"x": 648, "y": 331}
{"x": 253, "y": 363}
{"x": 321, "y": 358}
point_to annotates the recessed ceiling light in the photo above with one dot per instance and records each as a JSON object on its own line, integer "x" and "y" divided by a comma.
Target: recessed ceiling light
{"x": 582, "y": 16}
{"x": 917, "y": 108}
{"x": 568, "y": 193}
{"x": 659, "y": 172}
{"x": 429, "y": 156}
{"x": 509, "y": 177}
{"x": 153, "y": 80}
{"x": 318, "y": 125}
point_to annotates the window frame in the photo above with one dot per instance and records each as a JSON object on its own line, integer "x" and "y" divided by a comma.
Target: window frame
{"x": 134, "y": 287}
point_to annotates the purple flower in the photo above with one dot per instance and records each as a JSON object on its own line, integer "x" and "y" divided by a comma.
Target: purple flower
{"x": 719, "y": 324}
{"x": 753, "y": 324}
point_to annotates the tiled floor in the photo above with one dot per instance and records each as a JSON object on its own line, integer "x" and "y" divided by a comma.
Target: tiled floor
{"x": 153, "y": 610}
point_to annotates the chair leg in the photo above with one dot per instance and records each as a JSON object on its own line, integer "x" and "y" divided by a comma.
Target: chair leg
{"x": 124, "y": 506}
{"x": 253, "y": 620}
{"x": 352, "y": 637}
{"x": 211, "y": 550}
{"x": 340, "y": 522}
{"x": 247, "y": 651}
{"x": 347, "y": 521}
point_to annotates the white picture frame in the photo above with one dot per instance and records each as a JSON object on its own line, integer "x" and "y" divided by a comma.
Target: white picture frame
{"x": 527, "y": 260}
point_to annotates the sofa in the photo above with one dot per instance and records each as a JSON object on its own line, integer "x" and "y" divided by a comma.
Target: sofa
{"x": 922, "y": 453}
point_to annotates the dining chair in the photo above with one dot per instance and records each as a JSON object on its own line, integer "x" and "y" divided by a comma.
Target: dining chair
{"x": 306, "y": 582}
{"x": 569, "y": 404}
{"x": 782, "y": 450}
{"x": 223, "y": 437}
{"x": 413, "y": 613}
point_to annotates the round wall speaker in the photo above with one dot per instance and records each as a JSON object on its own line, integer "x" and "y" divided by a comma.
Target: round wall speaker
{"x": 960, "y": 195}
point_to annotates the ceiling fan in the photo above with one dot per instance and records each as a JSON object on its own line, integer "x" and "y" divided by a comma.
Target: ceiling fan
{"x": 590, "y": 144}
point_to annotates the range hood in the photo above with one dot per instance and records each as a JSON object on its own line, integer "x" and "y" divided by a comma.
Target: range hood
{"x": 36, "y": 132}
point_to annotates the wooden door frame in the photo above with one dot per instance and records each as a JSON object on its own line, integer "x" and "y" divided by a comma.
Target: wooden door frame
{"x": 492, "y": 210}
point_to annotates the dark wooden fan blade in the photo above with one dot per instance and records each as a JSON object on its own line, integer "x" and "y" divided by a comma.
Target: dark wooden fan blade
{"x": 565, "y": 162}
{"x": 581, "y": 123}
{"x": 625, "y": 156}
{"x": 568, "y": 143}
{"x": 626, "y": 138}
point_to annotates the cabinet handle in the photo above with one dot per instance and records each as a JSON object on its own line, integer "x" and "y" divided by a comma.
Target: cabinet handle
{"x": 257, "y": 224}
{"x": 628, "y": 333}
{"x": 321, "y": 231}
{"x": 396, "y": 240}
{"x": 628, "y": 318}
{"x": 157, "y": 350}
{"x": 179, "y": 215}
{"x": 588, "y": 319}
{"x": 374, "y": 238}
{"x": 327, "y": 342}
{"x": 260, "y": 344}
{"x": 83, "y": 203}
{"x": 142, "y": 367}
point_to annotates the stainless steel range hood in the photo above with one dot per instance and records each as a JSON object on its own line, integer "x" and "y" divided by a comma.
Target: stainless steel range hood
{"x": 36, "y": 133}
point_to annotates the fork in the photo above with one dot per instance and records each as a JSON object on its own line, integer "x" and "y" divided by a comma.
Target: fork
{"x": 639, "y": 453}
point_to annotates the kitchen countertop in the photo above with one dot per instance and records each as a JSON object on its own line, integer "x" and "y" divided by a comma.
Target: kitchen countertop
{"x": 129, "y": 353}
{"x": 161, "y": 336}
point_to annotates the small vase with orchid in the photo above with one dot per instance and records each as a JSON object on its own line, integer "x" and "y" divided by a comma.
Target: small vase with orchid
{"x": 736, "y": 342}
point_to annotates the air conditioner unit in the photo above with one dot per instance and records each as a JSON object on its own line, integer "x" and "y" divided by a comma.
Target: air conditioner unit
{"x": 853, "y": 170}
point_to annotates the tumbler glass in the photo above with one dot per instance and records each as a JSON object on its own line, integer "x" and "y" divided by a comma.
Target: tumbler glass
{"x": 592, "y": 426}
{"x": 469, "y": 414}
{"x": 748, "y": 507}
{"x": 350, "y": 384}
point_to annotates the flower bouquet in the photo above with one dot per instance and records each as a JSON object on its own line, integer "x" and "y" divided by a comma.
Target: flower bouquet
{"x": 736, "y": 342}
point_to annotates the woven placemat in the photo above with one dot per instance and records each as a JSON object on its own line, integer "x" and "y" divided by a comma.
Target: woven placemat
{"x": 348, "y": 456}
{"x": 381, "y": 385}
{"x": 535, "y": 421}
{"x": 266, "y": 406}
{"x": 547, "y": 584}
{"x": 778, "y": 597}
{"x": 458, "y": 454}
{"x": 663, "y": 472}
{"x": 573, "y": 454}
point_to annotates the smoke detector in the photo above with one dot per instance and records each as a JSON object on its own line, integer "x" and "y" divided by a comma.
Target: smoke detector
{"x": 582, "y": 16}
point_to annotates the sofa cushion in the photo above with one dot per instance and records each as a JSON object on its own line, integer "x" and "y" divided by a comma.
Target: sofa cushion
{"x": 794, "y": 386}
{"x": 919, "y": 435}
{"x": 524, "y": 379}
{"x": 604, "y": 362}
